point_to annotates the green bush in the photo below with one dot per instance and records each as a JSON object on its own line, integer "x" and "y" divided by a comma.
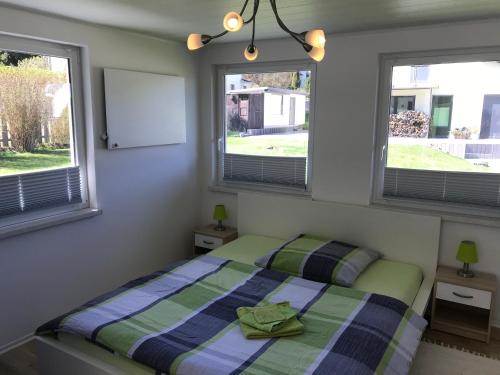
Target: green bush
{"x": 24, "y": 105}
{"x": 238, "y": 124}
{"x": 59, "y": 130}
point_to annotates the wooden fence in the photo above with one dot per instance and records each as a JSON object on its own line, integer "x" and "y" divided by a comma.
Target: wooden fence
{"x": 5, "y": 139}
{"x": 4, "y": 135}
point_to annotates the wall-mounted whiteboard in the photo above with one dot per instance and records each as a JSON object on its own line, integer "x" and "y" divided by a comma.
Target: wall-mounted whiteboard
{"x": 144, "y": 109}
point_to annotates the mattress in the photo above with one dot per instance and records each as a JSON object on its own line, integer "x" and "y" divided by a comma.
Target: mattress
{"x": 394, "y": 279}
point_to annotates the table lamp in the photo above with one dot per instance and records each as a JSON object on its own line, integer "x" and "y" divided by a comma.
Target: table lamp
{"x": 467, "y": 253}
{"x": 219, "y": 215}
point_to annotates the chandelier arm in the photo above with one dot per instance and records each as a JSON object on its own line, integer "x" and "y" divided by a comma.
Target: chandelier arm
{"x": 255, "y": 9}
{"x": 298, "y": 37}
{"x": 244, "y": 8}
{"x": 218, "y": 35}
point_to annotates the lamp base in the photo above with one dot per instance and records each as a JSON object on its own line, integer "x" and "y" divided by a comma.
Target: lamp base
{"x": 465, "y": 272}
{"x": 219, "y": 227}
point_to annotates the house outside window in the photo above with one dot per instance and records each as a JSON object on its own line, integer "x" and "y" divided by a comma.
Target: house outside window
{"x": 42, "y": 137}
{"x": 442, "y": 151}
{"x": 265, "y": 126}
{"x": 402, "y": 104}
{"x": 275, "y": 101}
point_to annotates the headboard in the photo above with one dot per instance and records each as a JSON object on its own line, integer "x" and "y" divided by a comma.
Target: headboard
{"x": 405, "y": 237}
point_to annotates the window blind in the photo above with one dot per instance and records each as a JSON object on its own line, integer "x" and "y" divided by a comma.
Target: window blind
{"x": 32, "y": 191}
{"x": 481, "y": 189}
{"x": 289, "y": 171}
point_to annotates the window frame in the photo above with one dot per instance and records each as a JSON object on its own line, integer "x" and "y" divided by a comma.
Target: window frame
{"x": 379, "y": 162}
{"x": 219, "y": 148}
{"x": 78, "y": 131}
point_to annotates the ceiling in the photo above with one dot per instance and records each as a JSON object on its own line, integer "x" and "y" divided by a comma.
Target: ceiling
{"x": 175, "y": 19}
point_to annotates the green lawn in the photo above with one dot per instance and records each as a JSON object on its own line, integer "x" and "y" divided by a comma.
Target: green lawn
{"x": 269, "y": 145}
{"x": 399, "y": 156}
{"x": 422, "y": 157}
{"x": 17, "y": 162}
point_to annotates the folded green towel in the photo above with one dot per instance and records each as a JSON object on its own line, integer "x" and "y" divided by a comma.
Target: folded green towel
{"x": 267, "y": 317}
{"x": 273, "y": 313}
{"x": 269, "y": 320}
{"x": 291, "y": 327}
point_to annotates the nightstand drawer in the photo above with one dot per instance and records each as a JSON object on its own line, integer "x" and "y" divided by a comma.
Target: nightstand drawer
{"x": 207, "y": 242}
{"x": 464, "y": 295}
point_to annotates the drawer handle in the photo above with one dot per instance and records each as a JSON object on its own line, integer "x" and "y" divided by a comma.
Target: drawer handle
{"x": 462, "y": 296}
{"x": 208, "y": 242}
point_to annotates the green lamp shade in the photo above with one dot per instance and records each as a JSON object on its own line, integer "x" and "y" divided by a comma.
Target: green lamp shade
{"x": 220, "y": 212}
{"x": 467, "y": 252}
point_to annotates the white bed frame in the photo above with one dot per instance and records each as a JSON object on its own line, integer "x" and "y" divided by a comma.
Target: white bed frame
{"x": 400, "y": 236}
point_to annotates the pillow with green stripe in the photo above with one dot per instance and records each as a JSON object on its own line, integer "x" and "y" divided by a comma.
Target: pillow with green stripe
{"x": 326, "y": 261}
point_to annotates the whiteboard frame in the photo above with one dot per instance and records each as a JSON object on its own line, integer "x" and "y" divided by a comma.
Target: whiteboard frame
{"x": 144, "y": 109}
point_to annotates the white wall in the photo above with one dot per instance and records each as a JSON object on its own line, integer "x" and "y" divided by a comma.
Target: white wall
{"x": 273, "y": 104}
{"x": 345, "y": 118}
{"x": 149, "y": 196}
{"x": 468, "y": 83}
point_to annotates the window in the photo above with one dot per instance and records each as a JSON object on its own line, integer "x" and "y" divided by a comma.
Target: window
{"x": 441, "y": 112}
{"x": 420, "y": 73}
{"x": 265, "y": 128}
{"x": 490, "y": 121}
{"x": 402, "y": 103}
{"x": 41, "y": 130}
{"x": 439, "y": 144}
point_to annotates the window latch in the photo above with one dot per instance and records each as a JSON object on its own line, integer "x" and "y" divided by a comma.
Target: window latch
{"x": 219, "y": 144}
{"x": 382, "y": 153}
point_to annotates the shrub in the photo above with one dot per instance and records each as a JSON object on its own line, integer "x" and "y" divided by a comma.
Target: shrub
{"x": 24, "y": 105}
{"x": 461, "y": 133}
{"x": 238, "y": 124}
{"x": 59, "y": 130}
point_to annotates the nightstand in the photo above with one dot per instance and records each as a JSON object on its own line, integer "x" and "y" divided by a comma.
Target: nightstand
{"x": 462, "y": 306}
{"x": 207, "y": 238}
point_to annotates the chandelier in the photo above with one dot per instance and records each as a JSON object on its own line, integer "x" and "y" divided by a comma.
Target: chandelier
{"x": 313, "y": 41}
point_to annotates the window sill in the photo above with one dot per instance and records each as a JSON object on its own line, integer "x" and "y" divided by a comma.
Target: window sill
{"x": 454, "y": 215}
{"x": 47, "y": 222}
{"x": 238, "y": 188}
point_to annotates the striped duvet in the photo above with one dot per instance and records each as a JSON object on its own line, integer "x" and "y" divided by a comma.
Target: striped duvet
{"x": 183, "y": 321}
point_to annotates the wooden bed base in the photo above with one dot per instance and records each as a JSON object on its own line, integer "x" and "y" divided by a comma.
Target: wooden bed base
{"x": 400, "y": 236}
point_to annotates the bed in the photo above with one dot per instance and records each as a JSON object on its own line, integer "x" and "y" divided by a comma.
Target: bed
{"x": 395, "y": 279}
{"x": 409, "y": 244}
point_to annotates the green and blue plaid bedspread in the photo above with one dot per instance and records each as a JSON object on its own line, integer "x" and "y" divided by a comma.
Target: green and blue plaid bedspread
{"x": 183, "y": 321}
